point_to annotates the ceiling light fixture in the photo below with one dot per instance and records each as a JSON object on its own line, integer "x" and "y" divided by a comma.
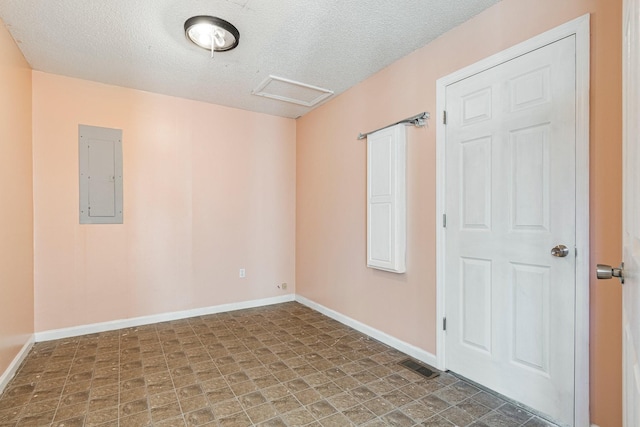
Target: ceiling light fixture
{"x": 211, "y": 33}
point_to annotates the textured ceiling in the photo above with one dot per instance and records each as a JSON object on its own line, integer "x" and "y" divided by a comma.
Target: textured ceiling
{"x": 332, "y": 44}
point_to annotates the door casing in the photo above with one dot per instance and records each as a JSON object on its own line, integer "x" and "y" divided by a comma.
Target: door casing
{"x": 630, "y": 226}
{"x": 579, "y": 27}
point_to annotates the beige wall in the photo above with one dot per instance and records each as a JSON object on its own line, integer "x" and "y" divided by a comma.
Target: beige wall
{"x": 16, "y": 198}
{"x": 207, "y": 190}
{"x": 331, "y": 205}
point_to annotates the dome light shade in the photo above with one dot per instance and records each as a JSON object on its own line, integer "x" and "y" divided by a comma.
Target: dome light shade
{"x": 211, "y": 33}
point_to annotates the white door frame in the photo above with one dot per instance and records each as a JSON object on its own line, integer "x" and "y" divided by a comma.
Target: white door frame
{"x": 579, "y": 27}
{"x": 630, "y": 156}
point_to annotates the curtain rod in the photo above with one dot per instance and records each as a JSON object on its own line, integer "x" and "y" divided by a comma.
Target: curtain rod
{"x": 418, "y": 120}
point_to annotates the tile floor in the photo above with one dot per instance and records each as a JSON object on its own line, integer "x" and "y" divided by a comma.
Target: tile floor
{"x": 281, "y": 365}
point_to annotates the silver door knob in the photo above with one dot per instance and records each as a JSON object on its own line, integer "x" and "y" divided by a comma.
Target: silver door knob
{"x": 604, "y": 271}
{"x": 560, "y": 251}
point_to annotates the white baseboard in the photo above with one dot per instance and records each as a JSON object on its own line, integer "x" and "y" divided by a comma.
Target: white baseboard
{"x": 409, "y": 349}
{"x": 156, "y": 318}
{"x": 8, "y": 374}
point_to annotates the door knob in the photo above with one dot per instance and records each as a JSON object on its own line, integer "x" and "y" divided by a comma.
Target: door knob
{"x": 604, "y": 271}
{"x": 560, "y": 251}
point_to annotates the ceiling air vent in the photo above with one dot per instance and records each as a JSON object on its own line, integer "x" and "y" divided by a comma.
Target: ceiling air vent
{"x": 291, "y": 91}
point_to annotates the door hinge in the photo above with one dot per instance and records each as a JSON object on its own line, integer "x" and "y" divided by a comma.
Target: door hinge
{"x": 444, "y": 117}
{"x": 444, "y": 323}
{"x": 444, "y": 220}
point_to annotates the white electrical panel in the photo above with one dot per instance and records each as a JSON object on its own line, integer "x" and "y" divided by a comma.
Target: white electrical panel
{"x": 100, "y": 157}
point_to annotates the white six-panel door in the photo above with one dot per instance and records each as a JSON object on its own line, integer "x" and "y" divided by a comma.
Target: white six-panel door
{"x": 510, "y": 198}
{"x": 631, "y": 224}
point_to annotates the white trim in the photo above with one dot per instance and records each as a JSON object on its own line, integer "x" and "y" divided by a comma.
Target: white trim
{"x": 409, "y": 349}
{"x": 440, "y": 234}
{"x": 11, "y": 370}
{"x": 581, "y": 368}
{"x": 156, "y": 318}
{"x": 579, "y": 27}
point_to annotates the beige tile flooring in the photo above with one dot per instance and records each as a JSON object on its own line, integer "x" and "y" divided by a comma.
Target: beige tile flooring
{"x": 280, "y": 365}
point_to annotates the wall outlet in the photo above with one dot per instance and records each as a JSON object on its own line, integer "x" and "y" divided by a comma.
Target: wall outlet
{"x": 283, "y": 286}
{"x": 243, "y": 273}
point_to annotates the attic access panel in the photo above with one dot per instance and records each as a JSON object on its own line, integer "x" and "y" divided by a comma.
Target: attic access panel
{"x": 291, "y": 91}
{"x": 100, "y": 163}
